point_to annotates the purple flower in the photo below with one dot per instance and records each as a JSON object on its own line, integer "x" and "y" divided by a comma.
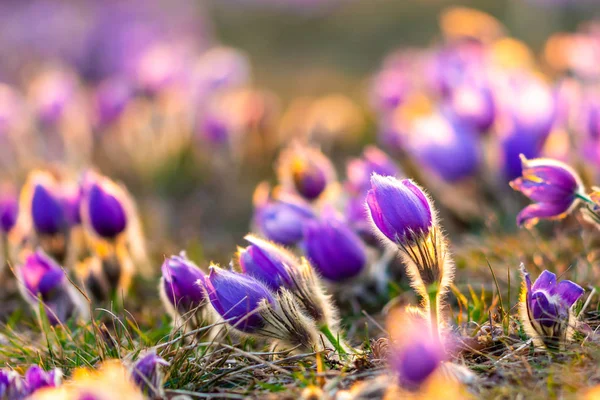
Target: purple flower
{"x": 306, "y": 170}
{"x": 179, "y": 282}
{"x": 47, "y": 211}
{"x": 51, "y": 94}
{"x": 236, "y": 297}
{"x": 547, "y": 306}
{"x": 104, "y": 207}
{"x": 36, "y": 378}
{"x": 12, "y": 386}
{"x": 473, "y": 106}
{"x": 9, "y": 209}
{"x": 399, "y": 210}
{"x": 268, "y": 263}
{"x": 71, "y": 202}
{"x": 359, "y": 170}
{"x": 335, "y": 251}
{"x": 390, "y": 88}
{"x": 147, "y": 375}
{"x": 461, "y": 61}
{"x": 110, "y": 98}
{"x": 551, "y": 184}
{"x": 43, "y": 278}
{"x": 446, "y": 147}
{"x": 282, "y": 220}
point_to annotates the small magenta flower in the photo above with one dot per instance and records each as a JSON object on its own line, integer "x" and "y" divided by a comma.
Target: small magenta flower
{"x": 359, "y": 170}
{"x": 237, "y": 298}
{"x": 103, "y": 206}
{"x": 36, "y": 378}
{"x": 268, "y": 263}
{"x": 9, "y": 209}
{"x": 42, "y": 278}
{"x": 552, "y": 185}
{"x": 47, "y": 212}
{"x": 546, "y": 308}
{"x": 400, "y": 210}
{"x": 282, "y": 220}
{"x": 306, "y": 170}
{"x": 179, "y": 284}
{"x": 335, "y": 250}
{"x": 147, "y": 375}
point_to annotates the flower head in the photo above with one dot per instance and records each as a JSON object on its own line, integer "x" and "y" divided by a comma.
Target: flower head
{"x": 47, "y": 212}
{"x": 398, "y": 209}
{"x": 268, "y": 263}
{"x": 282, "y": 220}
{"x": 334, "y": 249}
{"x": 305, "y": 170}
{"x": 179, "y": 284}
{"x": 9, "y": 209}
{"x": 111, "y": 98}
{"x": 473, "y": 105}
{"x": 546, "y": 307}
{"x": 359, "y": 170}
{"x": 36, "y": 378}
{"x": 12, "y": 386}
{"x": 147, "y": 375}
{"x": 103, "y": 206}
{"x": 237, "y": 298}
{"x": 551, "y": 184}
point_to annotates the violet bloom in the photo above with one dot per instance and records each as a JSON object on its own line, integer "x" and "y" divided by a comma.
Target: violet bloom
{"x": 104, "y": 207}
{"x": 268, "y": 263}
{"x": 359, "y": 170}
{"x": 546, "y": 307}
{"x": 282, "y": 220}
{"x": 552, "y": 185}
{"x": 147, "y": 375}
{"x": 306, "y": 170}
{"x": 71, "y": 202}
{"x": 9, "y": 210}
{"x": 390, "y": 88}
{"x": 42, "y": 278}
{"x": 237, "y": 298}
{"x": 473, "y": 106}
{"x": 110, "y": 99}
{"x": 36, "y": 378}
{"x": 47, "y": 210}
{"x": 399, "y": 210}
{"x": 51, "y": 94}
{"x": 12, "y": 386}
{"x": 179, "y": 284}
{"x": 447, "y": 148}
{"x": 335, "y": 251}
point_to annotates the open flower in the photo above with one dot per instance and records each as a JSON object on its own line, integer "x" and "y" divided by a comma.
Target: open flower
{"x": 552, "y": 185}
{"x": 400, "y": 210}
{"x": 41, "y": 278}
{"x": 546, "y": 308}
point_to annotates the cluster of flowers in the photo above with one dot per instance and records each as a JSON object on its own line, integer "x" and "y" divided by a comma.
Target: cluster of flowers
{"x": 91, "y": 227}
{"x": 139, "y": 380}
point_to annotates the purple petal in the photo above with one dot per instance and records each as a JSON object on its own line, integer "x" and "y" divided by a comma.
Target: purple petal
{"x": 530, "y": 214}
{"x": 546, "y": 281}
{"x": 569, "y": 292}
{"x": 542, "y": 310}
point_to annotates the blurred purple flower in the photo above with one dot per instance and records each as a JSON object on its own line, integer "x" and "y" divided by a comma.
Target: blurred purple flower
{"x": 10, "y": 108}
{"x": 283, "y": 220}
{"x": 473, "y": 106}
{"x": 220, "y": 68}
{"x": 390, "y": 88}
{"x": 267, "y": 263}
{"x": 36, "y": 378}
{"x": 147, "y": 375}
{"x": 399, "y": 210}
{"x": 12, "y": 386}
{"x": 552, "y": 185}
{"x": 9, "y": 208}
{"x": 104, "y": 206}
{"x": 359, "y": 170}
{"x": 47, "y": 212}
{"x": 180, "y": 285}
{"x": 71, "y": 202}
{"x": 236, "y": 298}
{"x": 52, "y": 92}
{"x": 447, "y": 148}
{"x": 459, "y": 62}
{"x": 336, "y": 252}
{"x": 111, "y": 97}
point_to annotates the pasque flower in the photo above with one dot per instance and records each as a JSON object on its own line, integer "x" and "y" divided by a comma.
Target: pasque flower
{"x": 359, "y": 170}
{"x": 179, "y": 285}
{"x": 103, "y": 207}
{"x": 36, "y": 378}
{"x": 546, "y": 308}
{"x": 400, "y": 210}
{"x": 41, "y": 278}
{"x": 47, "y": 212}
{"x": 334, "y": 249}
{"x": 147, "y": 375}
{"x": 282, "y": 220}
{"x": 552, "y": 185}
{"x": 237, "y": 298}
{"x": 12, "y": 386}
{"x": 9, "y": 209}
{"x": 305, "y": 170}
{"x": 473, "y": 105}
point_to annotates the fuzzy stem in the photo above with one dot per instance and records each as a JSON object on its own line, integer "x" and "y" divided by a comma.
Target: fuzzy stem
{"x": 334, "y": 340}
{"x": 434, "y": 304}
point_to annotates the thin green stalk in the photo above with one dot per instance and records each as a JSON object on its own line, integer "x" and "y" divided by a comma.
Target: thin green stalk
{"x": 432, "y": 294}
{"x": 334, "y": 340}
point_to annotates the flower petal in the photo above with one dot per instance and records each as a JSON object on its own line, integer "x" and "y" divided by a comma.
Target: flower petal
{"x": 546, "y": 281}
{"x": 569, "y": 292}
{"x": 530, "y": 215}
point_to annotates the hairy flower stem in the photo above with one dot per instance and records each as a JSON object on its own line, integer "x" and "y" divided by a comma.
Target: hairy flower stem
{"x": 433, "y": 303}
{"x": 333, "y": 339}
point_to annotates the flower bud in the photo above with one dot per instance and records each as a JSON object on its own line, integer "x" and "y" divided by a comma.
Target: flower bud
{"x": 147, "y": 375}
{"x": 359, "y": 170}
{"x": 400, "y": 210}
{"x": 9, "y": 209}
{"x": 337, "y": 253}
{"x": 111, "y": 97}
{"x": 282, "y": 220}
{"x": 47, "y": 210}
{"x": 103, "y": 207}
{"x": 237, "y": 298}
{"x": 36, "y": 378}
{"x": 179, "y": 284}
{"x": 552, "y": 185}
{"x": 546, "y": 308}
{"x": 41, "y": 278}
